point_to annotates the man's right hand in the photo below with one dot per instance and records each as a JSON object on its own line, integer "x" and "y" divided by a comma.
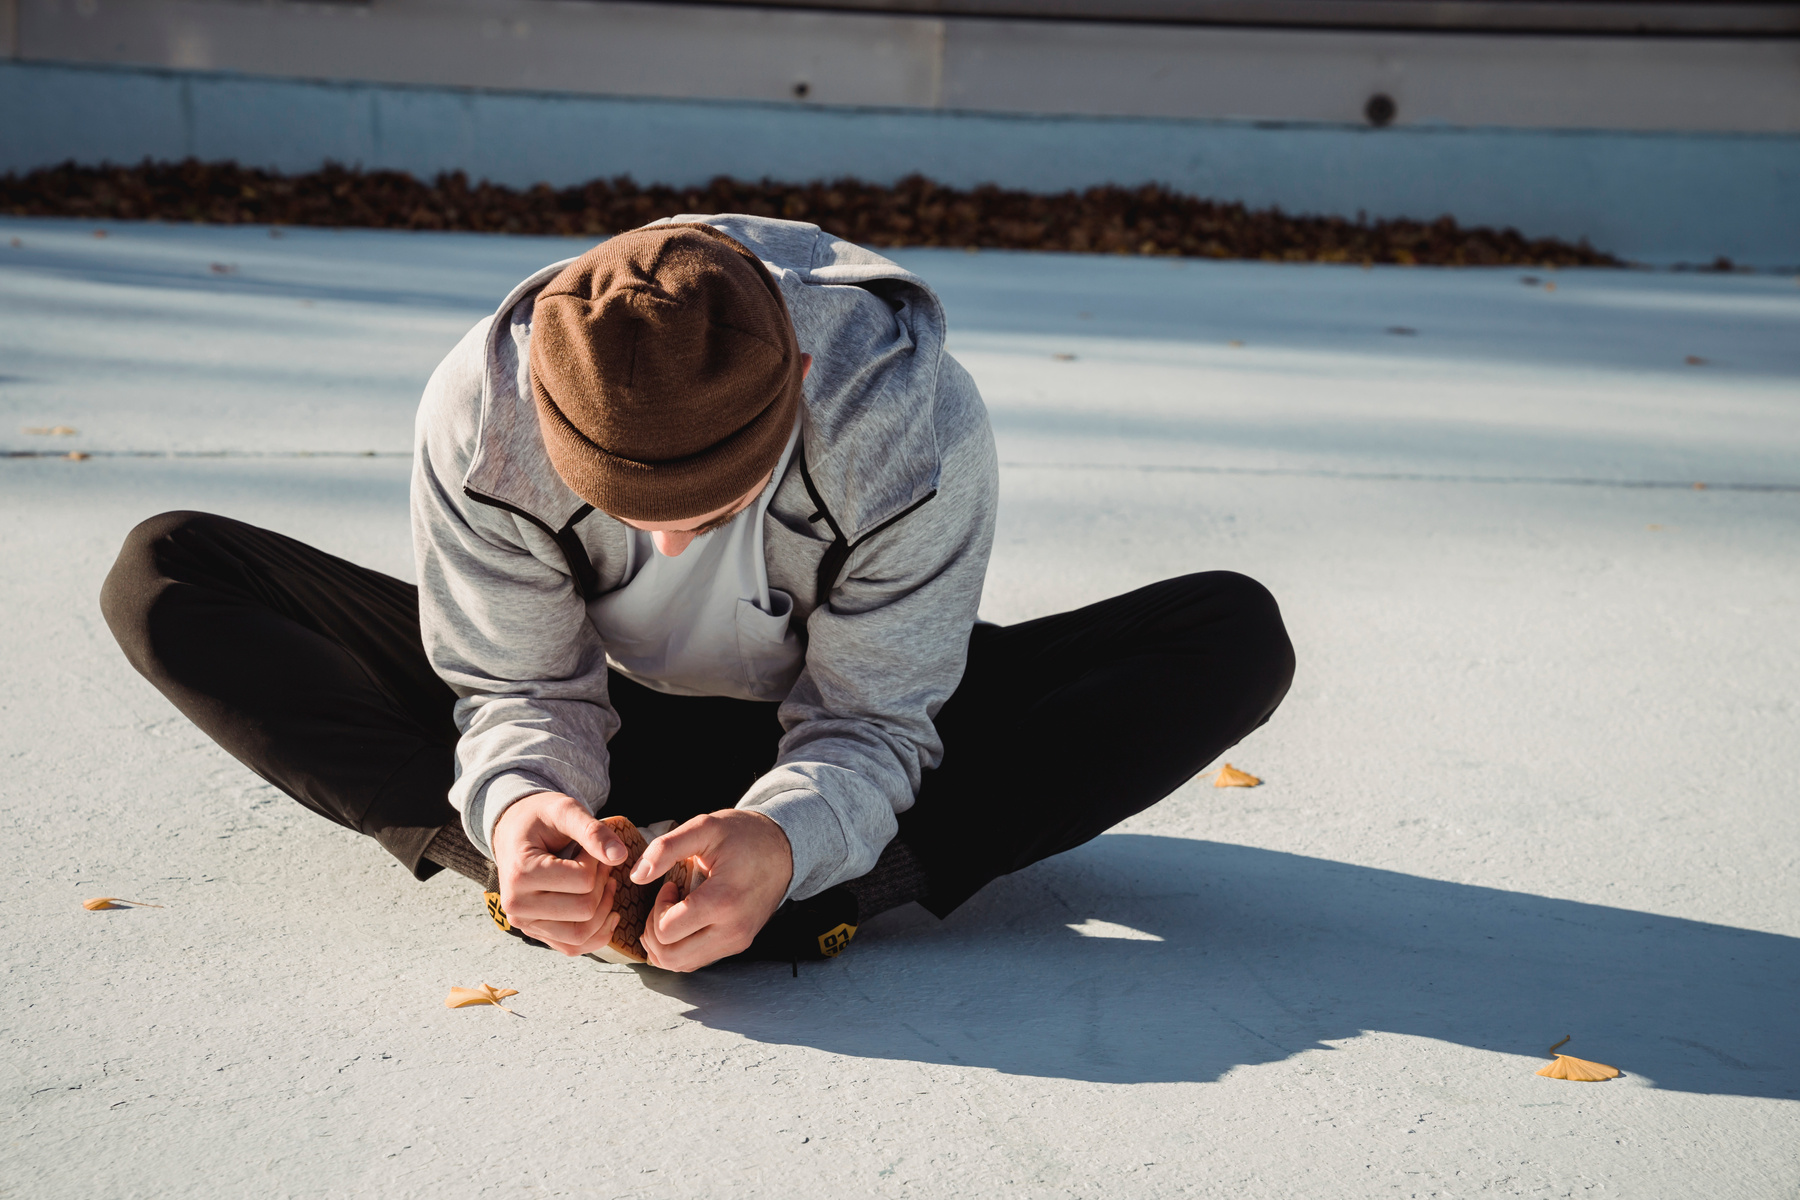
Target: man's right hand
{"x": 563, "y": 902}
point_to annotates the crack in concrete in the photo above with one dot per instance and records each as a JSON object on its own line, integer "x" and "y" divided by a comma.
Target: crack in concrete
{"x": 1139, "y": 468}
{"x": 186, "y": 454}
{"x": 1406, "y": 476}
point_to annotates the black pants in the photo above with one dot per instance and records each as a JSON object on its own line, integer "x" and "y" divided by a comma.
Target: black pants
{"x": 310, "y": 671}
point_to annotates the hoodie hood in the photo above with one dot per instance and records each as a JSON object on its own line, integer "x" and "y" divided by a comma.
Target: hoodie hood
{"x": 868, "y": 433}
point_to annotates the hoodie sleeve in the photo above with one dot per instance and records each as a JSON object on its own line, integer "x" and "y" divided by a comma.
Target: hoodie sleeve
{"x": 502, "y": 625}
{"x": 882, "y": 658}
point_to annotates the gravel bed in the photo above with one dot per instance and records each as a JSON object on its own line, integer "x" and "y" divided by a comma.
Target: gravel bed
{"x": 1149, "y": 220}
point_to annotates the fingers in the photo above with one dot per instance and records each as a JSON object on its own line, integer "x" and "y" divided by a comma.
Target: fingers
{"x": 724, "y": 936}
{"x": 703, "y": 949}
{"x": 580, "y": 941}
{"x": 577, "y": 936}
{"x": 527, "y": 875}
{"x": 549, "y": 873}
{"x": 749, "y": 866}
{"x": 708, "y": 904}
{"x": 601, "y": 843}
{"x": 548, "y": 842}
{"x": 554, "y": 906}
{"x": 659, "y": 953}
{"x": 576, "y": 907}
{"x": 695, "y": 836}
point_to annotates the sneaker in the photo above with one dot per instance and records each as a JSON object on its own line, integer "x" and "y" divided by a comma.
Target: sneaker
{"x": 492, "y": 897}
{"x": 631, "y": 901}
{"x": 809, "y": 930}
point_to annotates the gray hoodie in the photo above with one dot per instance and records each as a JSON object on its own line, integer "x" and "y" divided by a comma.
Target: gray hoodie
{"x": 896, "y": 466}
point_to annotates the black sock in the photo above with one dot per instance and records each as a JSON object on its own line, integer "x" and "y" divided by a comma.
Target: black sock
{"x": 897, "y": 878}
{"x": 451, "y": 848}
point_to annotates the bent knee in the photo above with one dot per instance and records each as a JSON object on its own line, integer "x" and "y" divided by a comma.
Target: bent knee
{"x": 151, "y": 531}
{"x": 1241, "y": 594}
{"x": 138, "y": 575}
{"x": 1228, "y": 595}
{"x": 1252, "y": 611}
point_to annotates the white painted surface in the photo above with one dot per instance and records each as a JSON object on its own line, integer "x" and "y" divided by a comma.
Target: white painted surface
{"x": 1536, "y": 775}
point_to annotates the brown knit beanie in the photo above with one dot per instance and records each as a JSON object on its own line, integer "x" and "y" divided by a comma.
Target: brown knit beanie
{"x": 665, "y": 371}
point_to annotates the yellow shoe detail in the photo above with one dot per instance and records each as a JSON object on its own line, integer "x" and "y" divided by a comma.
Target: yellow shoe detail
{"x": 832, "y": 944}
{"x": 496, "y": 912}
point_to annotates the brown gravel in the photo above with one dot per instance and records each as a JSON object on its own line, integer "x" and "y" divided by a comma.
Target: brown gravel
{"x": 913, "y": 212}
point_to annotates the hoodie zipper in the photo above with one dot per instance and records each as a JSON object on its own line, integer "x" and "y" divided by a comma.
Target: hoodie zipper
{"x": 838, "y": 553}
{"x": 587, "y": 580}
{"x": 581, "y": 567}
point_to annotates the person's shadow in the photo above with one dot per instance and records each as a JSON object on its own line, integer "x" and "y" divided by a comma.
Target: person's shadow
{"x": 1247, "y": 956}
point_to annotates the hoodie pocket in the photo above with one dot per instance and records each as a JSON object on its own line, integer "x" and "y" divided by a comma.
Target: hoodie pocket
{"x": 769, "y": 652}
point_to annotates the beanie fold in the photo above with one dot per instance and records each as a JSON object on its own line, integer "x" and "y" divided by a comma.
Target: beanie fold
{"x": 670, "y": 490}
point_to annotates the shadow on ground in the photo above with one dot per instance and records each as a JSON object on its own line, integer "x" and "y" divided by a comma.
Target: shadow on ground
{"x": 1263, "y": 955}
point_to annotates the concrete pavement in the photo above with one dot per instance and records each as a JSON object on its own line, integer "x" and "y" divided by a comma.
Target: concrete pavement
{"x": 1537, "y": 775}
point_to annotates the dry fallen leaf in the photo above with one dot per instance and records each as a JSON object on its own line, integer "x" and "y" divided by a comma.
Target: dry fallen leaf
{"x": 1550, "y": 287}
{"x": 461, "y": 997}
{"x": 1578, "y": 1069}
{"x": 78, "y": 455}
{"x": 101, "y": 903}
{"x": 1694, "y": 360}
{"x": 52, "y": 430}
{"x": 1063, "y": 357}
{"x": 100, "y": 233}
{"x": 224, "y": 268}
{"x": 1230, "y": 776}
{"x": 16, "y": 243}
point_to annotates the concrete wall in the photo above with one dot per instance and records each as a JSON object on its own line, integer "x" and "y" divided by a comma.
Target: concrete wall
{"x": 1654, "y": 197}
{"x": 1662, "y": 149}
{"x": 1040, "y": 67}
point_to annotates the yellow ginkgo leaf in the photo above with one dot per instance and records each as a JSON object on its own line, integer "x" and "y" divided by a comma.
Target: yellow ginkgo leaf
{"x": 461, "y": 997}
{"x": 99, "y": 903}
{"x": 1230, "y": 776}
{"x": 1578, "y": 1069}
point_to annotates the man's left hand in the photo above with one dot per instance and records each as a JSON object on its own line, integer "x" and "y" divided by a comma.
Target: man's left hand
{"x": 748, "y": 867}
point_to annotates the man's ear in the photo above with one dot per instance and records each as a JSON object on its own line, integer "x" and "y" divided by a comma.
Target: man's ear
{"x": 805, "y": 365}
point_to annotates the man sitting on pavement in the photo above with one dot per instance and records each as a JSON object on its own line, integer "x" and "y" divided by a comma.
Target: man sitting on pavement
{"x": 701, "y": 521}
